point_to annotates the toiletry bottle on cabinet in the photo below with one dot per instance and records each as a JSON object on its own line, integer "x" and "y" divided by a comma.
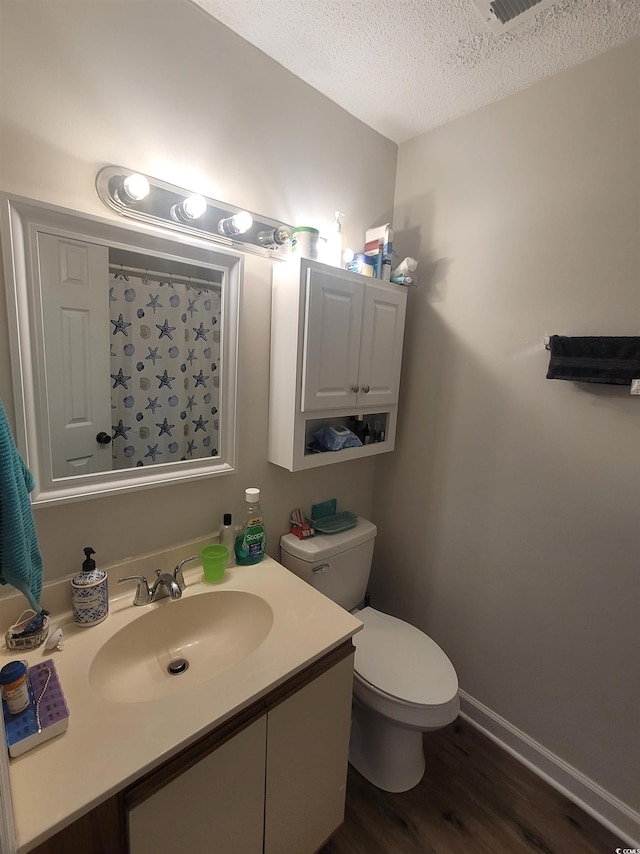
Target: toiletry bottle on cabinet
{"x": 335, "y": 243}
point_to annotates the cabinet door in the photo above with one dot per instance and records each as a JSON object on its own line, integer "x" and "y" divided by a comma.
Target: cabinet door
{"x": 214, "y": 807}
{"x": 381, "y": 345}
{"x": 331, "y": 340}
{"x": 307, "y": 756}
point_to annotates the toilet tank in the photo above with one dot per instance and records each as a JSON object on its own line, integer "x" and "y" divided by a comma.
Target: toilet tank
{"x": 337, "y": 565}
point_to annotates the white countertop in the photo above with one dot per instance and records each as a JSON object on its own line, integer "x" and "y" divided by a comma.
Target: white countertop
{"x": 108, "y": 745}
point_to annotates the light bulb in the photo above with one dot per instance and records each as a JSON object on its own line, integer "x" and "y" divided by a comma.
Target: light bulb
{"x": 194, "y": 206}
{"x": 236, "y": 224}
{"x": 135, "y": 187}
{"x": 243, "y": 221}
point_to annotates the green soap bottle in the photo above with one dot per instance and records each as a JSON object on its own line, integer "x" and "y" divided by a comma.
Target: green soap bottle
{"x": 252, "y": 539}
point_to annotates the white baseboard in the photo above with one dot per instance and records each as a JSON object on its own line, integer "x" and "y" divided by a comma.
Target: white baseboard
{"x": 589, "y": 796}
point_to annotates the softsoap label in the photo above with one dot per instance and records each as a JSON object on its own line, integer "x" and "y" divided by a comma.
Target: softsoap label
{"x": 635, "y": 386}
{"x": 251, "y": 543}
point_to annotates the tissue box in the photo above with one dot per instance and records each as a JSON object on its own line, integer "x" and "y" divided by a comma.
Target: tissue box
{"x": 381, "y": 234}
{"x": 47, "y": 702}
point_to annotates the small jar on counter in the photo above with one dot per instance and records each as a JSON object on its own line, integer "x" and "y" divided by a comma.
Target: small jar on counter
{"x": 15, "y": 686}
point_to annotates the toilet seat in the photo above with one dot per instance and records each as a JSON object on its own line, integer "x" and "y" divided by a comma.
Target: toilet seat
{"x": 401, "y": 662}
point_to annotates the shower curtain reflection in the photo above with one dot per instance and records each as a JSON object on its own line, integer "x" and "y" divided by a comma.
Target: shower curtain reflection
{"x": 165, "y": 369}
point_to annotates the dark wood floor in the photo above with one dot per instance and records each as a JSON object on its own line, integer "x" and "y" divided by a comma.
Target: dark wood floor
{"x": 474, "y": 798}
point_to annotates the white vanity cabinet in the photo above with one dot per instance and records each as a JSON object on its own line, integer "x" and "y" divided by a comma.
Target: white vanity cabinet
{"x": 336, "y": 353}
{"x": 271, "y": 780}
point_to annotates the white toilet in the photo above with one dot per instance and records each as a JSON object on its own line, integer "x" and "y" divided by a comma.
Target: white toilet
{"x": 403, "y": 685}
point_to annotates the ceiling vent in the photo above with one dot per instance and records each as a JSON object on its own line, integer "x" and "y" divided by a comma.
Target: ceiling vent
{"x": 503, "y": 15}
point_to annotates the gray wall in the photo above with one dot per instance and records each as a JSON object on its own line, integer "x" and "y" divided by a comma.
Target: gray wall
{"x": 162, "y": 88}
{"x": 509, "y": 513}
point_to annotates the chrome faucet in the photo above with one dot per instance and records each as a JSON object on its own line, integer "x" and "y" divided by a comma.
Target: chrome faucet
{"x": 164, "y": 585}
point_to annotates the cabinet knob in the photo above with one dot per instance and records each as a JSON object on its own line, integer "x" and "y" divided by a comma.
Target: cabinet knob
{"x": 365, "y": 389}
{"x": 355, "y": 388}
{"x": 103, "y": 439}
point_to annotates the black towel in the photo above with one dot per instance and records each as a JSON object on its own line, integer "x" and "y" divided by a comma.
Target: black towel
{"x": 605, "y": 359}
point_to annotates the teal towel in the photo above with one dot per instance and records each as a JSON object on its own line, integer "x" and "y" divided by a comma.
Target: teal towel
{"x": 20, "y": 560}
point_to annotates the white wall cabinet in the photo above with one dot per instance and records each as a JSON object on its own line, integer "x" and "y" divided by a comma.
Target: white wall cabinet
{"x": 336, "y": 353}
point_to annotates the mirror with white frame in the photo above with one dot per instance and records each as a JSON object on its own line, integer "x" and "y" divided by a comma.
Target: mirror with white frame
{"x": 124, "y": 350}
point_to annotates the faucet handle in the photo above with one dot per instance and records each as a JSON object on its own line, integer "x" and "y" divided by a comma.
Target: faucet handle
{"x": 143, "y": 592}
{"x": 177, "y": 572}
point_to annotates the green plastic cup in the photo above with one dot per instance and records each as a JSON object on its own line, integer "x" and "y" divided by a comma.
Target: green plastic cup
{"x": 214, "y": 561}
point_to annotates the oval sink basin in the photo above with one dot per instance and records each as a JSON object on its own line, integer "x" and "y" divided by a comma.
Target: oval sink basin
{"x": 212, "y": 632}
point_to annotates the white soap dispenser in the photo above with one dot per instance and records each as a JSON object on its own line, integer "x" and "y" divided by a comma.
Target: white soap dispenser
{"x": 335, "y": 244}
{"x": 89, "y": 593}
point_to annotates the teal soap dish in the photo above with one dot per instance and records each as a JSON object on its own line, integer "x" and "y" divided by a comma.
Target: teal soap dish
{"x": 335, "y": 523}
{"x": 324, "y": 508}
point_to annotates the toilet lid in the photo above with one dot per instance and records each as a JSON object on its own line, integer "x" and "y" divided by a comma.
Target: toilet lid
{"x": 400, "y": 660}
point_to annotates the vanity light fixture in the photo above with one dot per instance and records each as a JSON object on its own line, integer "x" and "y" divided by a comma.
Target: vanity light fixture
{"x": 193, "y": 207}
{"x": 157, "y": 203}
{"x": 237, "y": 224}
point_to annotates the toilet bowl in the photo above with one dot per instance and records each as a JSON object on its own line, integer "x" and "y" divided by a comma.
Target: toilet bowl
{"x": 404, "y": 684}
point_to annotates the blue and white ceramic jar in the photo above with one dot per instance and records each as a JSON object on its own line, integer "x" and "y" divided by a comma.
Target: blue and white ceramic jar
{"x": 89, "y": 593}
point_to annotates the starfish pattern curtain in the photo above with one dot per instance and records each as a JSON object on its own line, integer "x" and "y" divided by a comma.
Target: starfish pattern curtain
{"x": 165, "y": 371}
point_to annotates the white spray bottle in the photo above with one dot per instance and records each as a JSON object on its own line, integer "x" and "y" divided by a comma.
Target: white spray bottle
{"x": 335, "y": 243}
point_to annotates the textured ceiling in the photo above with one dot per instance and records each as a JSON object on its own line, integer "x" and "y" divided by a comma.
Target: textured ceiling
{"x": 406, "y": 66}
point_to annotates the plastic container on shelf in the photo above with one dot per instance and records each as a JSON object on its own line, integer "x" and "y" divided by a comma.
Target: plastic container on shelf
{"x": 304, "y": 242}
